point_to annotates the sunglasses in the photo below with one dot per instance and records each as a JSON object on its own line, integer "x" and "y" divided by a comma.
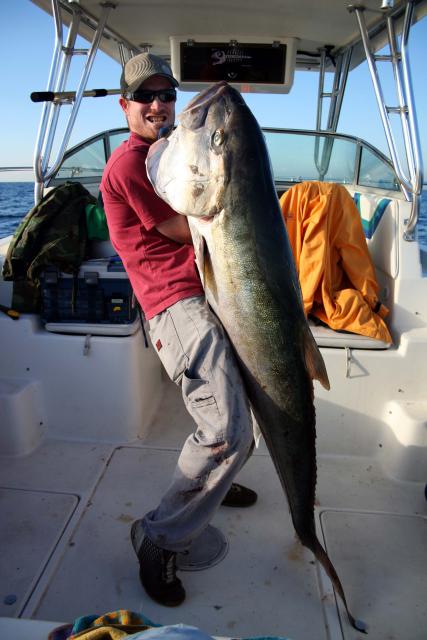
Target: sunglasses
{"x": 146, "y": 97}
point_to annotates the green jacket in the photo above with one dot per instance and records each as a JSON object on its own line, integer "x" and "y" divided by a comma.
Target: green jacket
{"x": 53, "y": 232}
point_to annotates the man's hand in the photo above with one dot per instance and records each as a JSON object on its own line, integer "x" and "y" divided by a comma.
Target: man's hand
{"x": 177, "y": 229}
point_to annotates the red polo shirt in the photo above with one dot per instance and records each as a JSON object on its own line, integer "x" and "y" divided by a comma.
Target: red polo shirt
{"x": 160, "y": 270}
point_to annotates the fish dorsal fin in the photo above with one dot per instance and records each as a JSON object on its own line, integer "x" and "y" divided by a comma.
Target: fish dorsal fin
{"x": 313, "y": 359}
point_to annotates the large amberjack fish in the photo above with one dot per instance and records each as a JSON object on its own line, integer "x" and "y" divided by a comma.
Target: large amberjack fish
{"x": 215, "y": 169}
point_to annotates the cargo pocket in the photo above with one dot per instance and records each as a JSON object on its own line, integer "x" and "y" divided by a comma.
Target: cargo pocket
{"x": 202, "y": 405}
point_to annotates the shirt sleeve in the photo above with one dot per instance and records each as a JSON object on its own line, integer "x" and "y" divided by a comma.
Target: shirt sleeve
{"x": 128, "y": 180}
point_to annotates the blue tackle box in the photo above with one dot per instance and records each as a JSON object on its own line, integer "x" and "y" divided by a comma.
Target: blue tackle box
{"x": 100, "y": 295}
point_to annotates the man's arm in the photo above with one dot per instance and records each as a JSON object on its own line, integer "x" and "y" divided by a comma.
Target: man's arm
{"x": 176, "y": 228}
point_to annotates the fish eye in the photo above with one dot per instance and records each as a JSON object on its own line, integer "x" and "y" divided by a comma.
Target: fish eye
{"x": 218, "y": 137}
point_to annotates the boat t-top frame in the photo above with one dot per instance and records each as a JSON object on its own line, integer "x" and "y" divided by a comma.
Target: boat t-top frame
{"x": 391, "y": 21}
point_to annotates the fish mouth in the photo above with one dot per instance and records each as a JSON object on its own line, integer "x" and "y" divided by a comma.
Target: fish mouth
{"x": 158, "y": 147}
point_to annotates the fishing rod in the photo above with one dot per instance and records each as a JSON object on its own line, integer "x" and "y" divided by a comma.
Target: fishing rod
{"x": 16, "y": 168}
{"x": 69, "y": 96}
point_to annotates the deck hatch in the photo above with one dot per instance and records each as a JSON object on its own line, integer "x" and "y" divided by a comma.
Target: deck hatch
{"x": 31, "y": 525}
{"x": 382, "y": 559}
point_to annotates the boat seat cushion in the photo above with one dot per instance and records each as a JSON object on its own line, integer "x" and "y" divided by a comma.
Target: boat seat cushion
{"x": 326, "y": 337}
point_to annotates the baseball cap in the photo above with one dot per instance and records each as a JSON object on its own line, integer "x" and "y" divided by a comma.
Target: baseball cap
{"x": 140, "y": 68}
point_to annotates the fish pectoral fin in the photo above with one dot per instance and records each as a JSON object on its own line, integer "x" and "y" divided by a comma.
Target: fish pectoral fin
{"x": 204, "y": 262}
{"x": 313, "y": 359}
{"x": 209, "y": 274}
{"x": 199, "y": 248}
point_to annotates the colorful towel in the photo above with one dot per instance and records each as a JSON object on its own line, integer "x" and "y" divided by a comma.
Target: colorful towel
{"x": 109, "y": 626}
{"x": 124, "y": 624}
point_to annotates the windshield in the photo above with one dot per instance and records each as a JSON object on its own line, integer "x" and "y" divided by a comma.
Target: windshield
{"x": 295, "y": 156}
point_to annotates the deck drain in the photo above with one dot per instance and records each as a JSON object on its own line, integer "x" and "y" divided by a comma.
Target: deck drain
{"x": 206, "y": 551}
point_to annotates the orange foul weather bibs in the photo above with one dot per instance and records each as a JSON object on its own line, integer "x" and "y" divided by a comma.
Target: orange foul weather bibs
{"x": 336, "y": 273}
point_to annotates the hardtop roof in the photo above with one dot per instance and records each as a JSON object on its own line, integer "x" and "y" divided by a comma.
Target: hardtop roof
{"x": 315, "y": 24}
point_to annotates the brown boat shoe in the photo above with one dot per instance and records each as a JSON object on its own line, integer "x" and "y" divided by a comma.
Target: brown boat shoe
{"x": 239, "y": 496}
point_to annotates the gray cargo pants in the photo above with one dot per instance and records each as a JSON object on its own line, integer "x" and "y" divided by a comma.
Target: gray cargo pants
{"x": 197, "y": 356}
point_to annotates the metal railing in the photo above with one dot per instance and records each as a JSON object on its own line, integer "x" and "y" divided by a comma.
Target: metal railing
{"x": 55, "y": 96}
{"x": 411, "y": 182}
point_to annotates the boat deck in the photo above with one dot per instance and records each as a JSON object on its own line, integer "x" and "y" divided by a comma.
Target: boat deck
{"x": 66, "y": 549}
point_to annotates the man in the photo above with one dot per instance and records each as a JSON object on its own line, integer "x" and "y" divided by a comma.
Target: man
{"x": 154, "y": 243}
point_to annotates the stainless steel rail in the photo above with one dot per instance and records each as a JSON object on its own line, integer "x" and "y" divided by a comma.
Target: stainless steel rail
{"x": 57, "y": 80}
{"x": 335, "y": 96}
{"x": 412, "y": 179}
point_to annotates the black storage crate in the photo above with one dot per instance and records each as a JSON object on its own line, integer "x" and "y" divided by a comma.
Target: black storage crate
{"x": 99, "y": 294}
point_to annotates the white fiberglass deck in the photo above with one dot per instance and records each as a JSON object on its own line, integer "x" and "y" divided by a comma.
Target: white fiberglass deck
{"x": 66, "y": 549}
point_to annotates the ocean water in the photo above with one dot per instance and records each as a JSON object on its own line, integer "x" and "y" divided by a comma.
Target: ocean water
{"x": 17, "y": 198}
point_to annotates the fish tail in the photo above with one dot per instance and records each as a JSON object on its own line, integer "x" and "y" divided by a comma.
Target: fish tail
{"x": 323, "y": 558}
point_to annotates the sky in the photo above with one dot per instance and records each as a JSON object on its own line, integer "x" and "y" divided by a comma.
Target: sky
{"x": 26, "y": 45}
